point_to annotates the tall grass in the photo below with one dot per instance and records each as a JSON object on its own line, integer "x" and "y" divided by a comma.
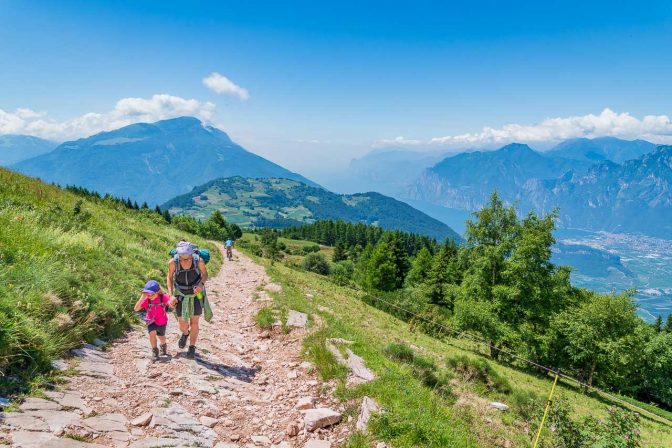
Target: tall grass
{"x": 70, "y": 271}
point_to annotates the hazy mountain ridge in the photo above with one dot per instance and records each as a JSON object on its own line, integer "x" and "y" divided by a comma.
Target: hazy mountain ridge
{"x": 286, "y": 202}
{"x": 633, "y": 197}
{"x": 151, "y": 162}
{"x": 601, "y": 149}
{"x": 467, "y": 180}
{"x": 15, "y": 148}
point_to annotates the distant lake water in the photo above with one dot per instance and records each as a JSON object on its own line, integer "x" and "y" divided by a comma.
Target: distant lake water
{"x": 647, "y": 262}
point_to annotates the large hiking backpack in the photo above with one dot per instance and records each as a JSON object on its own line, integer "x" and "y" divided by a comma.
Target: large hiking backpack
{"x": 201, "y": 253}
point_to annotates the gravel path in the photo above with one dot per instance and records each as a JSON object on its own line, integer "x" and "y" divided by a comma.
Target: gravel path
{"x": 244, "y": 388}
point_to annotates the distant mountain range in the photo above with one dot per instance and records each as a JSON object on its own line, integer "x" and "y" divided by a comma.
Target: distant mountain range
{"x": 633, "y": 196}
{"x": 284, "y": 202}
{"x": 466, "y": 180}
{"x": 15, "y": 148}
{"x": 601, "y": 149}
{"x": 151, "y": 162}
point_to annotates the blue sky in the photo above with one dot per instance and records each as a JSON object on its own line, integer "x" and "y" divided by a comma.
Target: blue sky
{"x": 329, "y": 81}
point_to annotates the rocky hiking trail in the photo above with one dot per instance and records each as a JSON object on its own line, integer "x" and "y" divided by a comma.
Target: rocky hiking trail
{"x": 246, "y": 388}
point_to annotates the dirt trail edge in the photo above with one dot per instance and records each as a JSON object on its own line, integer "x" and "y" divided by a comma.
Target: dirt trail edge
{"x": 246, "y": 388}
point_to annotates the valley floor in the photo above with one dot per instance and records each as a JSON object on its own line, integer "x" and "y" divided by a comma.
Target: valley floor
{"x": 241, "y": 390}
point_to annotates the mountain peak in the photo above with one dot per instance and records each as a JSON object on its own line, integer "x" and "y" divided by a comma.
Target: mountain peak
{"x": 184, "y": 122}
{"x": 516, "y": 148}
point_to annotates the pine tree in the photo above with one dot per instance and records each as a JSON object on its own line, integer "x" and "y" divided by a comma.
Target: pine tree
{"x": 420, "y": 268}
{"x": 668, "y": 324}
{"x": 339, "y": 252}
{"x": 166, "y": 216}
{"x": 145, "y": 206}
{"x": 658, "y": 324}
{"x": 381, "y": 272}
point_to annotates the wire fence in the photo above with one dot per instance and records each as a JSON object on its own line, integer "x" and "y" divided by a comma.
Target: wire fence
{"x": 548, "y": 370}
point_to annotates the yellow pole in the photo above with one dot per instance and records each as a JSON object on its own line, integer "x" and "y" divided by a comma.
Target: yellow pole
{"x": 548, "y": 407}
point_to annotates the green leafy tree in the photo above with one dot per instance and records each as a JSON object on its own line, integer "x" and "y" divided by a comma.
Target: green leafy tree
{"x": 657, "y": 380}
{"x": 362, "y": 265}
{"x": 601, "y": 335}
{"x": 235, "y": 232}
{"x": 444, "y": 274}
{"x": 491, "y": 239}
{"x": 269, "y": 243}
{"x": 218, "y": 219}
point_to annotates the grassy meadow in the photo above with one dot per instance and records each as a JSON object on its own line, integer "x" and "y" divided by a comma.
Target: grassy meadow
{"x": 71, "y": 269}
{"x": 439, "y": 396}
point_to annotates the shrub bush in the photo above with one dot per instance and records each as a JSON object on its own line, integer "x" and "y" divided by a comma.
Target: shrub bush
{"x": 479, "y": 371}
{"x": 317, "y": 263}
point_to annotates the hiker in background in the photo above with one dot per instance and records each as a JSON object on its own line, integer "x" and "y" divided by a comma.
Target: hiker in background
{"x": 186, "y": 280}
{"x": 229, "y": 248}
{"x": 155, "y": 302}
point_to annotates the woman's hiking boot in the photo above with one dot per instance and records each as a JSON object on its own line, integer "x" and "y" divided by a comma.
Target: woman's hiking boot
{"x": 155, "y": 352}
{"x": 191, "y": 352}
{"x": 164, "y": 349}
{"x": 183, "y": 340}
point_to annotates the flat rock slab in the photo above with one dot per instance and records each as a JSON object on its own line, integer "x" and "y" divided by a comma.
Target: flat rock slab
{"x": 320, "y": 418}
{"x": 54, "y": 419}
{"x": 60, "y": 365}
{"x": 317, "y": 444}
{"x": 107, "y": 423}
{"x": 25, "y": 422}
{"x": 142, "y": 420}
{"x": 359, "y": 373}
{"x": 157, "y": 442}
{"x": 36, "y": 404}
{"x": 72, "y": 399}
{"x": 296, "y": 319}
{"x": 369, "y": 407}
{"x": 95, "y": 369}
{"x": 32, "y": 439}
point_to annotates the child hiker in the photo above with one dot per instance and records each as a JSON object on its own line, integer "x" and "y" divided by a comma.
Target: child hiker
{"x": 154, "y": 301}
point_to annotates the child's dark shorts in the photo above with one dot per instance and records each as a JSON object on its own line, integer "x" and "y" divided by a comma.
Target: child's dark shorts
{"x": 160, "y": 329}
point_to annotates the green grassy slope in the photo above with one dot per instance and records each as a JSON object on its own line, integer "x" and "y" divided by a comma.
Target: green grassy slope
{"x": 70, "y": 270}
{"x": 417, "y": 416}
{"x": 283, "y": 202}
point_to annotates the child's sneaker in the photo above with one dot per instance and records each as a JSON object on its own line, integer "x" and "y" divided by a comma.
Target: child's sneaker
{"x": 155, "y": 352}
{"x": 164, "y": 348}
{"x": 191, "y": 353}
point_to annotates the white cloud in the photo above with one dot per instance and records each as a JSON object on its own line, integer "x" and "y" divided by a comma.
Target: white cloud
{"x": 655, "y": 128}
{"x": 398, "y": 141}
{"x": 126, "y": 111}
{"x": 221, "y": 84}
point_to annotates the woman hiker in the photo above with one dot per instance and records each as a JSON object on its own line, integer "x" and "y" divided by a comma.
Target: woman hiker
{"x": 186, "y": 278}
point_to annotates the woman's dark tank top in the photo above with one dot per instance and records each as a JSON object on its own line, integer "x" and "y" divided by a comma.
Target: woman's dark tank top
{"x": 186, "y": 279}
